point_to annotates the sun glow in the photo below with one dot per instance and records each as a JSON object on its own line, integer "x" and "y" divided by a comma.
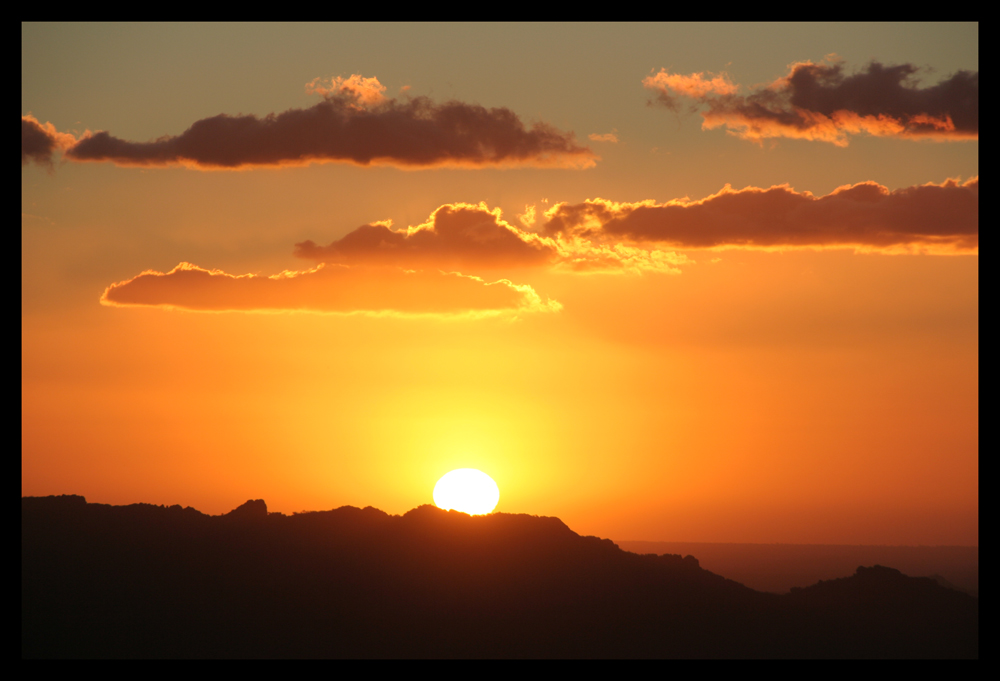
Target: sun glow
{"x": 468, "y": 490}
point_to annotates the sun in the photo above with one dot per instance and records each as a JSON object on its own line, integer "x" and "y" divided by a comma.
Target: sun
{"x": 467, "y": 490}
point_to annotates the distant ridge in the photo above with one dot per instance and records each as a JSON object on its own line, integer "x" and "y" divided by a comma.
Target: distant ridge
{"x": 779, "y": 567}
{"x": 171, "y": 582}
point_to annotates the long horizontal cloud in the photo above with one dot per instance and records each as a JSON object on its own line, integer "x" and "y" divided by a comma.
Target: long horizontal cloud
{"x": 368, "y": 271}
{"x": 929, "y": 218}
{"x": 475, "y": 238}
{"x": 39, "y": 141}
{"x": 327, "y": 289}
{"x": 355, "y": 123}
{"x": 823, "y": 102}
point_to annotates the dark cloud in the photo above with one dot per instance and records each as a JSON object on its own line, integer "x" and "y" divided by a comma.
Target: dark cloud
{"x": 375, "y": 269}
{"x": 39, "y": 141}
{"x": 356, "y": 124}
{"x": 931, "y": 217}
{"x": 824, "y": 102}
{"x": 455, "y": 236}
{"x": 474, "y": 238}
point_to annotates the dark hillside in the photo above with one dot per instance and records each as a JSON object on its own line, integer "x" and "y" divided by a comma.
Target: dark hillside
{"x": 149, "y": 581}
{"x": 779, "y": 567}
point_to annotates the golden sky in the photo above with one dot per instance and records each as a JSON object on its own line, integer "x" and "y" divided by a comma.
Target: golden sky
{"x": 666, "y": 282}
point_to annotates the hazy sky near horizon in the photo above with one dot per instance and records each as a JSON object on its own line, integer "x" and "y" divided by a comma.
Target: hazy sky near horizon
{"x": 667, "y": 282}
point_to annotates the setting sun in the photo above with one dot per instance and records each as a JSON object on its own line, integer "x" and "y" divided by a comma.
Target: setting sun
{"x": 467, "y": 490}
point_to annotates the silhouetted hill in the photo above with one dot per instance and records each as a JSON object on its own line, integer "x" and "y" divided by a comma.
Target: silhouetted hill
{"x": 151, "y": 581}
{"x": 779, "y": 567}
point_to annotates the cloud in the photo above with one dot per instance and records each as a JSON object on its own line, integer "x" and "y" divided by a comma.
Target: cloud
{"x": 327, "y": 289}
{"x": 936, "y": 218}
{"x": 583, "y": 256}
{"x": 378, "y": 270}
{"x": 40, "y": 140}
{"x": 476, "y": 238}
{"x": 823, "y": 102}
{"x": 456, "y": 235}
{"x": 669, "y": 85}
{"x": 364, "y": 91}
{"x": 529, "y": 217}
{"x": 605, "y": 137}
{"x": 355, "y": 123}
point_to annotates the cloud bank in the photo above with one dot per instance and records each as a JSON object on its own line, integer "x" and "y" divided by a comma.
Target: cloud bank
{"x": 327, "y": 289}
{"x": 823, "y": 102}
{"x": 939, "y": 218}
{"x": 377, "y": 270}
{"x": 39, "y": 141}
{"x": 476, "y": 238}
{"x": 355, "y": 123}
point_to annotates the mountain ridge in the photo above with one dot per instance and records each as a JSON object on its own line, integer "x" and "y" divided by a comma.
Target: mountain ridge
{"x": 777, "y": 567}
{"x": 154, "y": 581}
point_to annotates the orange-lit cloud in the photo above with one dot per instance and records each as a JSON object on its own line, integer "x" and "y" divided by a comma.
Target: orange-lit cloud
{"x": 939, "y": 218}
{"x": 459, "y": 235}
{"x": 822, "y": 102}
{"x": 355, "y": 123}
{"x": 365, "y": 91}
{"x": 529, "y": 217}
{"x": 584, "y": 256}
{"x": 324, "y": 288}
{"x": 476, "y": 238}
{"x": 603, "y": 137}
{"x": 669, "y": 85}
{"x": 375, "y": 269}
{"x": 40, "y": 140}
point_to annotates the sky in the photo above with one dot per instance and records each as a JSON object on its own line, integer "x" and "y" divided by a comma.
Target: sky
{"x": 667, "y": 282}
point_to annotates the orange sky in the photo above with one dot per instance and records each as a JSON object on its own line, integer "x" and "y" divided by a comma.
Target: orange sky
{"x": 677, "y": 292}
